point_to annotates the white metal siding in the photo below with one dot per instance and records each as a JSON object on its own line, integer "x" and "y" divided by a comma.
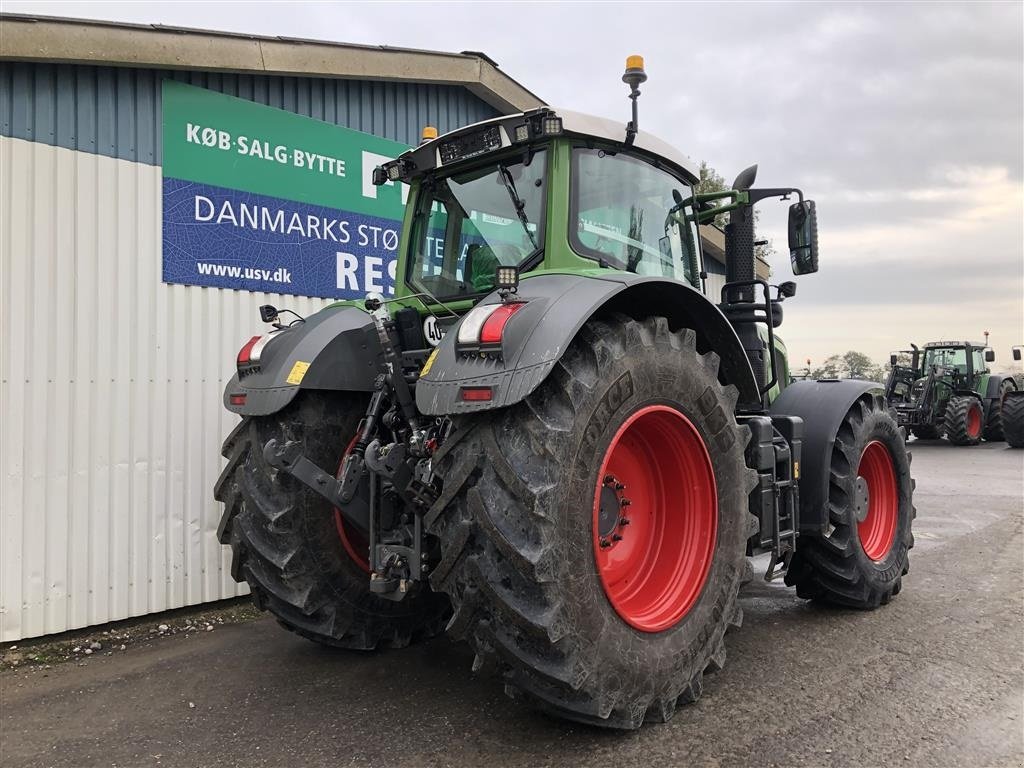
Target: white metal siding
{"x": 110, "y": 404}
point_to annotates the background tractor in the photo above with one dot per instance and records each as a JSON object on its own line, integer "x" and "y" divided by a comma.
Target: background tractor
{"x": 1013, "y": 409}
{"x": 948, "y": 389}
{"x": 550, "y": 441}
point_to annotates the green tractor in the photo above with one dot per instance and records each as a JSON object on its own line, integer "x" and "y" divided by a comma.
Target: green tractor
{"x": 549, "y": 442}
{"x": 1013, "y": 410}
{"x": 948, "y": 389}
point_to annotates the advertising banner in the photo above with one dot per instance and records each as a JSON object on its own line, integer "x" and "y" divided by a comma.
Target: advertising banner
{"x": 259, "y": 199}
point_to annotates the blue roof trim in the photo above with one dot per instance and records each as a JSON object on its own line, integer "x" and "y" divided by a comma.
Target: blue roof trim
{"x": 115, "y": 111}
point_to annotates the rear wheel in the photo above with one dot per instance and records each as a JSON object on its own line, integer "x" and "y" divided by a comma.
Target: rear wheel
{"x": 964, "y": 418}
{"x": 1013, "y": 419}
{"x": 994, "y": 426}
{"x": 302, "y": 562}
{"x": 861, "y": 562}
{"x": 593, "y": 535}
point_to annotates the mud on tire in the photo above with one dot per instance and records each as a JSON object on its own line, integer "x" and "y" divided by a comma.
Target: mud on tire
{"x": 515, "y": 523}
{"x": 285, "y": 543}
{"x": 852, "y": 566}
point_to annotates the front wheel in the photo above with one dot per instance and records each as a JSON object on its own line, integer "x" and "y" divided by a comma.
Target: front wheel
{"x": 964, "y": 418}
{"x": 593, "y": 535}
{"x": 862, "y": 560}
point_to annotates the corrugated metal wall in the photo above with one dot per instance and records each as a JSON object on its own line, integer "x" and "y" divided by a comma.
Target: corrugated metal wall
{"x": 115, "y": 111}
{"x": 110, "y": 414}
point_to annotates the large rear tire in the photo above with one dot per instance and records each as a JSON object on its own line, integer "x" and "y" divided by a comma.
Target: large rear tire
{"x": 994, "y": 432}
{"x": 536, "y": 558}
{"x": 1013, "y": 419}
{"x": 861, "y": 562}
{"x": 964, "y": 418}
{"x": 301, "y": 564}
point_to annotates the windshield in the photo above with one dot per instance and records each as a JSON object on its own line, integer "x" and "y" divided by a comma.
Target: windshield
{"x": 470, "y": 223}
{"x": 945, "y": 357}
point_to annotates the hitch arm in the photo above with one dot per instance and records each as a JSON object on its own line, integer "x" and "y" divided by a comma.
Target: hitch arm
{"x": 289, "y": 458}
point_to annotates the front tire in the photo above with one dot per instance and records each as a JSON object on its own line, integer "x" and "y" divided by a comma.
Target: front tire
{"x": 861, "y": 562}
{"x": 287, "y": 543}
{"x": 964, "y": 418}
{"x": 523, "y": 515}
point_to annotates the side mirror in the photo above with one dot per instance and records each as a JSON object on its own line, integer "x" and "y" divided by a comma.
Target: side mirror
{"x": 268, "y": 313}
{"x": 380, "y": 176}
{"x": 803, "y": 237}
{"x": 787, "y": 289}
{"x": 893, "y": 359}
{"x": 990, "y": 356}
{"x": 1016, "y": 353}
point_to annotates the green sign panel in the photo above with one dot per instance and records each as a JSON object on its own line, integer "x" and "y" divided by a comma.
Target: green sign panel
{"x": 261, "y": 199}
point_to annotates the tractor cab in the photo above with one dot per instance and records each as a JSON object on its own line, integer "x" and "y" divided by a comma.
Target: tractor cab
{"x": 553, "y": 191}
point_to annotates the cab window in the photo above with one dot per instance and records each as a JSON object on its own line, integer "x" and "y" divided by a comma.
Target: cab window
{"x": 619, "y": 208}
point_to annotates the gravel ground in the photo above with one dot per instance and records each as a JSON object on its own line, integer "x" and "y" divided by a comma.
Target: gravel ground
{"x": 934, "y": 679}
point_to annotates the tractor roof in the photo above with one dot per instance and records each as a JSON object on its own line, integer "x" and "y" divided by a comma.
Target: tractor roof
{"x": 933, "y": 344}
{"x": 499, "y": 133}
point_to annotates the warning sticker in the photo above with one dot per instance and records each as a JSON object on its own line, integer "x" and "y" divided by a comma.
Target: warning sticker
{"x": 430, "y": 363}
{"x": 297, "y": 373}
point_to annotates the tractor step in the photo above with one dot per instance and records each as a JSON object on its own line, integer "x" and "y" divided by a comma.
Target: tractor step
{"x": 774, "y": 452}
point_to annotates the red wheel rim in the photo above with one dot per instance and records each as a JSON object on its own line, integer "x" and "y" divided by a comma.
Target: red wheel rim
{"x": 877, "y": 530}
{"x": 974, "y": 421}
{"x": 656, "y": 475}
{"x": 352, "y": 539}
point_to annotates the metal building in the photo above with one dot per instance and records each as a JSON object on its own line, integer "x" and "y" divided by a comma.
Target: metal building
{"x": 112, "y": 372}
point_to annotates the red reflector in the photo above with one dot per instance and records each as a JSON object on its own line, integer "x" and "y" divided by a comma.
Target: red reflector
{"x": 246, "y": 351}
{"x": 237, "y": 399}
{"x": 494, "y": 326}
{"x": 476, "y": 394}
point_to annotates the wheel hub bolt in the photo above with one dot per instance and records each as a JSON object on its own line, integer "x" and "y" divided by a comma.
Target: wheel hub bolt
{"x": 605, "y": 543}
{"x": 625, "y": 503}
{"x": 623, "y": 521}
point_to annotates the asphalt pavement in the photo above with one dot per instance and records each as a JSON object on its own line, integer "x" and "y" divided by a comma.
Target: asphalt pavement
{"x": 933, "y": 679}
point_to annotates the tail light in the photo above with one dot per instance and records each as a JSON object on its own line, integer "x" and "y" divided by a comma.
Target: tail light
{"x": 485, "y": 324}
{"x": 249, "y": 355}
{"x": 245, "y": 353}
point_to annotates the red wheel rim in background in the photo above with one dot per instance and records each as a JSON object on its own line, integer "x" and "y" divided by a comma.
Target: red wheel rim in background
{"x": 352, "y": 539}
{"x": 655, "y": 569}
{"x": 877, "y": 530}
{"x": 974, "y": 421}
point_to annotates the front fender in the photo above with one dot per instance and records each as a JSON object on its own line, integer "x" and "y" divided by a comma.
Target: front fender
{"x": 538, "y": 335}
{"x": 822, "y": 405}
{"x": 335, "y": 349}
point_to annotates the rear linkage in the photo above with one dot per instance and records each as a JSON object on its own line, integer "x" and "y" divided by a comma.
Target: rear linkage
{"x": 392, "y": 454}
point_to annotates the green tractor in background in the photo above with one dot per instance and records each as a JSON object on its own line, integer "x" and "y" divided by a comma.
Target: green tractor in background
{"x": 550, "y": 442}
{"x": 947, "y": 389}
{"x": 1013, "y": 409}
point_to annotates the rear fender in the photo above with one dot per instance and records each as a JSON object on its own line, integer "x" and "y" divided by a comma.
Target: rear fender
{"x": 556, "y": 308}
{"x": 335, "y": 349}
{"x": 822, "y": 405}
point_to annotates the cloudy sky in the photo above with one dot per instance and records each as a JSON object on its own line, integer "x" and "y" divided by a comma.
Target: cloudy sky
{"x": 905, "y": 122}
